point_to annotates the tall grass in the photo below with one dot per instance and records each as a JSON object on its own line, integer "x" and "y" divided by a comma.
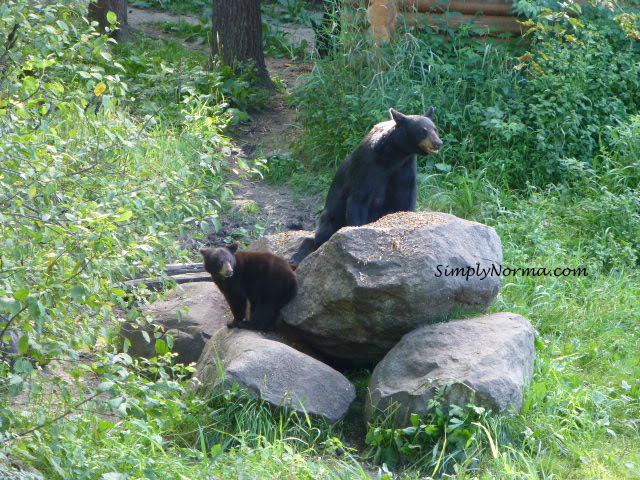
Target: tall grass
{"x": 542, "y": 144}
{"x": 550, "y": 159}
{"x": 515, "y": 109}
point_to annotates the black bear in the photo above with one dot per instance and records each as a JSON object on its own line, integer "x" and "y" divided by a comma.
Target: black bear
{"x": 380, "y": 176}
{"x": 265, "y": 280}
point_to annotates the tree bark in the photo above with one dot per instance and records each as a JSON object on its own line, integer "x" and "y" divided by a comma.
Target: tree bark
{"x": 237, "y": 36}
{"x": 98, "y": 12}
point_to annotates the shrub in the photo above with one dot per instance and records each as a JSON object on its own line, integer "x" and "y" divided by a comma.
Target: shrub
{"x": 516, "y": 110}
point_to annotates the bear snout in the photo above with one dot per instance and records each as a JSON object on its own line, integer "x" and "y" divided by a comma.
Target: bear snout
{"x": 431, "y": 146}
{"x": 226, "y": 271}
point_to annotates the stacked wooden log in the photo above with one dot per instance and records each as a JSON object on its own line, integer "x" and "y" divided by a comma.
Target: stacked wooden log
{"x": 491, "y": 16}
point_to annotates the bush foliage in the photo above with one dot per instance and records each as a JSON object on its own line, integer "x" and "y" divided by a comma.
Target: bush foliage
{"x": 517, "y": 110}
{"x": 112, "y": 162}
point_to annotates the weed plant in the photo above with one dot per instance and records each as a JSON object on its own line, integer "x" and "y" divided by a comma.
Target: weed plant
{"x": 516, "y": 109}
{"x": 111, "y": 163}
{"x": 541, "y": 140}
{"x": 178, "y": 7}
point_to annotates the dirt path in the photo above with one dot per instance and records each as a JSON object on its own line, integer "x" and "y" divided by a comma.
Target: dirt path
{"x": 257, "y": 207}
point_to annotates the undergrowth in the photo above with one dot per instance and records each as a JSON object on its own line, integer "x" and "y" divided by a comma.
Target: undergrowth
{"x": 113, "y": 162}
{"x": 515, "y": 109}
{"x": 541, "y": 142}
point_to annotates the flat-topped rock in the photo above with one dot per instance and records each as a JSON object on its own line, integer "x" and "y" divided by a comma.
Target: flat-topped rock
{"x": 286, "y": 245}
{"x": 366, "y": 287}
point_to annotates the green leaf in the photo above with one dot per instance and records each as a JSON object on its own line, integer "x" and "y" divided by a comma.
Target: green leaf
{"x": 36, "y": 308}
{"x": 23, "y": 344}
{"x": 161, "y": 347}
{"x": 104, "y": 386}
{"x": 122, "y": 409}
{"x": 137, "y": 412}
{"x": 22, "y": 366}
{"x": 9, "y": 305}
{"x": 114, "y": 475}
{"x": 112, "y": 18}
{"x": 119, "y": 292}
{"x": 21, "y": 294}
{"x": 5, "y": 422}
{"x": 443, "y": 167}
{"x": 77, "y": 292}
{"x": 216, "y": 450}
{"x": 415, "y": 419}
{"x": 124, "y": 216}
{"x": 105, "y": 425}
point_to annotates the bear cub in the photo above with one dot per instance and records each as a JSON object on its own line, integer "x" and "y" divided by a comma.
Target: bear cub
{"x": 380, "y": 176}
{"x": 266, "y": 281}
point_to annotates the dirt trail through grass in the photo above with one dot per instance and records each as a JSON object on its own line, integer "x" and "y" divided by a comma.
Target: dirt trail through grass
{"x": 256, "y": 204}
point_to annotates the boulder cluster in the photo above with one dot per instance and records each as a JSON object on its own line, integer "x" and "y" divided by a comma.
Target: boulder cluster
{"x": 397, "y": 294}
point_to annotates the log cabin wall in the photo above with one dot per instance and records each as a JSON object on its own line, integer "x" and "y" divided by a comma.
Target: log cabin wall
{"x": 492, "y": 15}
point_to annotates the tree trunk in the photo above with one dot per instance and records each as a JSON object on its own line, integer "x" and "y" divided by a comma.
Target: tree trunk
{"x": 237, "y": 36}
{"x": 98, "y": 12}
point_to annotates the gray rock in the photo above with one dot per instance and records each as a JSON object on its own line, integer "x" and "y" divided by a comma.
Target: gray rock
{"x": 361, "y": 291}
{"x": 10, "y": 342}
{"x": 191, "y": 315}
{"x": 274, "y": 372}
{"x": 285, "y": 245}
{"x": 487, "y": 360}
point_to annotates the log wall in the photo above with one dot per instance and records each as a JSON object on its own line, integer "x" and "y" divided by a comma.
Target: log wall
{"x": 491, "y": 15}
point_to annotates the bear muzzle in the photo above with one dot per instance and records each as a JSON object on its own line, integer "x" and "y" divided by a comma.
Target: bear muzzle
{"x": 226, "y": 271}
{"x": 431, "y": 146}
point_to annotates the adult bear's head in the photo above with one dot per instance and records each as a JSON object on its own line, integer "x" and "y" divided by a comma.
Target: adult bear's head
{"x": 419, "y": 132}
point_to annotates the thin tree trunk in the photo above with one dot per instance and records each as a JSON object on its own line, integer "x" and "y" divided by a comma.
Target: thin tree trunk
{"x": 98, "y": 12}
{"x": 237, "y": 36}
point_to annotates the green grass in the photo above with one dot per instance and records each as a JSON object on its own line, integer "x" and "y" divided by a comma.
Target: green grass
{"x": 177, "y": 7}
{"x": 199, "y": 34}
{"x": 575, "y": 206}
{"x": 159, "y": 135}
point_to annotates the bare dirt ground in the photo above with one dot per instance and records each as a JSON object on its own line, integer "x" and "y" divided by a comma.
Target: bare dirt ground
{"x": 270, "y": 132}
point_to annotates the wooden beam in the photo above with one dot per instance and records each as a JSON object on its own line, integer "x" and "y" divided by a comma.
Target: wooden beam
{"x": 156, "y": 284}
{"x": 491, "y": 22}
{"x": 487, "y": 7}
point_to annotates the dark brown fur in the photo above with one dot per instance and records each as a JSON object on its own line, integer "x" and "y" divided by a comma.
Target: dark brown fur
{"x": 264, "y": 280}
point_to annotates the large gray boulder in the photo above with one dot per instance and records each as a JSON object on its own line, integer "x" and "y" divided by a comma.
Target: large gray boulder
{"x": 485, "y": 360}
{"x": 9, "y": 342}
{"x": 361, "y": 291}
{"x": 191, "y": 315}
{"x": 272, "y": 371}
{"x": 285, "y": 245}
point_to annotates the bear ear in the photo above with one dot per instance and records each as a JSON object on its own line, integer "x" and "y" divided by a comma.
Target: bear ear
{"x": 431, "y": 113}
{"x": 233, "y": 247}
{"x": 397, "y": 116}
{"x": 205, "y": 251}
